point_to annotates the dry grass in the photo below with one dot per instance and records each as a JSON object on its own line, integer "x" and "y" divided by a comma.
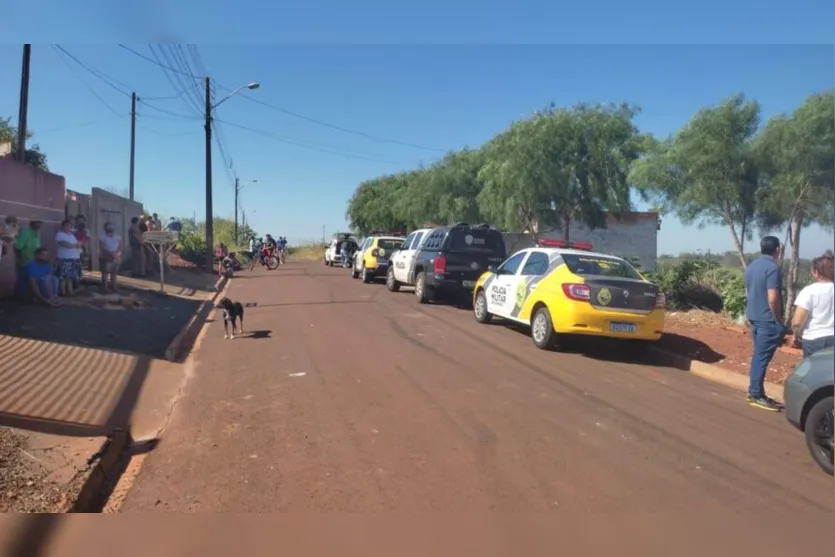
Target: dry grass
{"x": 701, "y": 317}
{"x": 307, "y": 252}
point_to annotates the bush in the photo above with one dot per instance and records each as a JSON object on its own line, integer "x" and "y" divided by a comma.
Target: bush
{"x": 701, "y": 284}
{"x": 192, "y": 247}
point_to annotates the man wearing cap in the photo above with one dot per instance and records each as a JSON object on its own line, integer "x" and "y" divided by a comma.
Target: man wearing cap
{"x": 28, "y": 242}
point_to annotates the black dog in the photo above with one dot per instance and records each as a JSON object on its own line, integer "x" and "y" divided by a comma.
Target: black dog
{"x": 234, "y": 312}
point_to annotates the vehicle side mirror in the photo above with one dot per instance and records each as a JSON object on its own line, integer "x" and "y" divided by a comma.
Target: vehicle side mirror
{"x": 493, "y": 269}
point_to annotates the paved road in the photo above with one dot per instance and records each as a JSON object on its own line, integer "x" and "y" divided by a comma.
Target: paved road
{"x": 355, "y": 399}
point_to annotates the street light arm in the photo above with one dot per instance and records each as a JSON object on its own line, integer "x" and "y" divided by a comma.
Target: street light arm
{"x": 253, "y": 85}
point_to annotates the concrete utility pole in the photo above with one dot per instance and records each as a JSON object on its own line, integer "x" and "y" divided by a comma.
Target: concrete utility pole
{"x": 23, "y": 110}
{"x": 210, "y": 241}
{"x": 132, "y": 140}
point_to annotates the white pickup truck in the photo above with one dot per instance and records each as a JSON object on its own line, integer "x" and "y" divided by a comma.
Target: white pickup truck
{"x": 400, "y": 271}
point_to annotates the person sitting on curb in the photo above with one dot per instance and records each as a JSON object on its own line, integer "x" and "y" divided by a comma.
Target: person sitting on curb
{"x": 813, "y": 319}
{"x": 42, "y": 281}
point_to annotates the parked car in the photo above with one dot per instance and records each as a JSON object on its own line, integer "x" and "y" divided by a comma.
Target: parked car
{"x": 371, "y": 260}
{"x": 451, "y": 258}
{"x": 561, "y": 288}
{"x": 333, "y": 253}
{"x": 401, "y": 272}
{"x": 808, "y": 396}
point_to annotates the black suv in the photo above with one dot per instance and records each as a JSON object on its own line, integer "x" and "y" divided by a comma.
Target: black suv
{"x": 452, "y": 258}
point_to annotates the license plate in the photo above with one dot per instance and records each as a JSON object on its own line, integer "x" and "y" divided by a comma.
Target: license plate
{"x": 622, "y": 327}
{"x": 468, "y": 283}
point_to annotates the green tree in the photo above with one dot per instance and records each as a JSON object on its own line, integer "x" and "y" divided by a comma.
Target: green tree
{"x": 561, "y": 166}
{"x": 707, "y": 172}
{"x": 34, "y": 156}
{"x": 797, "y": 156}
{"x": 379, "y": 203}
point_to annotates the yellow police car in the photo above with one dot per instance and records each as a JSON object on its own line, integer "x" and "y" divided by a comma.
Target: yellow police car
{"x": 563, "y": 289}
{"x": 371, "y": 260}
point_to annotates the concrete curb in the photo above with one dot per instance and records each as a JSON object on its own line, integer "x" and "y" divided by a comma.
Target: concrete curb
{"x": 104, "y": 470}
{"x": 713, "y": 373}
{"x": 189, "y": 333}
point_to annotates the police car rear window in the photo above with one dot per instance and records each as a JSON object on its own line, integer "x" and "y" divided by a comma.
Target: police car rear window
{"x": 389, "y": 244}
{"x": 476, "y": 240}
{"x": 601, "y": 266}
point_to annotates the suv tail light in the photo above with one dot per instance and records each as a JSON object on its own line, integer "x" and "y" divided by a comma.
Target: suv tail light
{"x": 660, "y": 300}
{"x": 440, "y": 265}
{"x": 374, "y": 252}
{"x": 579, "y": 292}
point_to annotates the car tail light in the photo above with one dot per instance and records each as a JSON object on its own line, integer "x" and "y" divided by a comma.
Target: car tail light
{"x": 440, "y": 265}
{"x": 579, "y": 292}
{"x": 660, "y": 300}
{"x": 374, "y": 252}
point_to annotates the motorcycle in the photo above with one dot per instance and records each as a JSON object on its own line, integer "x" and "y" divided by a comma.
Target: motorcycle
{"x": 266, "y": 258}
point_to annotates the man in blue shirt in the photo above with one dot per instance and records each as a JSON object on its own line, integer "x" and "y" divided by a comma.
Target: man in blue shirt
{"x": 42, "y": 280}
{"x": 764, "y": 310}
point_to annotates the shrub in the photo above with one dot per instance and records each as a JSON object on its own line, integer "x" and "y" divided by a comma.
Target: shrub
{"x": 701, "y": 284}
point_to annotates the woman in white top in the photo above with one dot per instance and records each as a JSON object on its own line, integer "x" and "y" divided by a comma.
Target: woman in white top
{"x": 69, "y": 259}
{"x": 110, "y": 256}
{"x": 814, "y": 320}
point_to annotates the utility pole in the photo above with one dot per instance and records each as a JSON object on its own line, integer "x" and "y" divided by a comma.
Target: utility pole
{"x": 132, "y": 140}
{"x": 24, "y": 104}
{"x": 237, "y": 189}
{"x": 210, "y": 244}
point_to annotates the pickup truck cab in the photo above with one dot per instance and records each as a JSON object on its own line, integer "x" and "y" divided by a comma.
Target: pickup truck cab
{"x": 452, "y": 258}
{"x": 401, "y": 272}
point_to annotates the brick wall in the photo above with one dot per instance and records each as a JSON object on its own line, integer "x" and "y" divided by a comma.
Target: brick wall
{"x": 634, "y": 235}
{"x": 25, "y": 192}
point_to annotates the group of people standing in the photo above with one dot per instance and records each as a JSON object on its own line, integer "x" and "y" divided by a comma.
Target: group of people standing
{"x": 813, "y": 322}
{"x": 44, "y": 279}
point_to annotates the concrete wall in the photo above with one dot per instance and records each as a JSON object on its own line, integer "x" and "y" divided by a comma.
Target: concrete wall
{"x": 25, "y": 192}
{"x": 634, "y": 235}
{"x": 109, "y": 207}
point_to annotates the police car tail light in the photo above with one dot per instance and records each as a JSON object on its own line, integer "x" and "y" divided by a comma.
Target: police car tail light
{"x": 579, "y": 292}
{"x": 660, "y": 300}
{"x": 440, "y": 265}
{"x": 374, "y": 252}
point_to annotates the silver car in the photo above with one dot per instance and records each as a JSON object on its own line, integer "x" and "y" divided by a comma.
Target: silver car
{"x": 809, "y": 398}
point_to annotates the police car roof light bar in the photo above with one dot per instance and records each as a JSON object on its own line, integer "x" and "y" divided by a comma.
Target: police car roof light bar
{"x": 554, "y": 243}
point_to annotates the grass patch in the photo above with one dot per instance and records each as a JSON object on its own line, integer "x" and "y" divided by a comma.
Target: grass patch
{"x": 307, "y": 252}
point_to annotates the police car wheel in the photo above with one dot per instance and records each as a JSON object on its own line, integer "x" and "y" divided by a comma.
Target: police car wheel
{"x": 542, "y": 330}
{"x": 366, "y": 277}
{"x": 480, "y": 308}
{"x": 391, "y": 282}
{"x": 422, "y": 292}
{"x": 354, "y": 272}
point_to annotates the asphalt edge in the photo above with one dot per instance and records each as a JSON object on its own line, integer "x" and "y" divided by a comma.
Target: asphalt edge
{"x": 713, "y": 373}
{"x": 178, "y": 347}
{"x": 105, "y": 466}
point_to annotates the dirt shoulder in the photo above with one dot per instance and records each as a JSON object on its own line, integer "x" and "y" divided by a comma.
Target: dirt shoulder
{"x": 42, "y": 473}
{"x": 712, "y": 339}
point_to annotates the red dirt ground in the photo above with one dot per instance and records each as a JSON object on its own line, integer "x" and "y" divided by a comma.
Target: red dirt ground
{"x": 711, "y": 338}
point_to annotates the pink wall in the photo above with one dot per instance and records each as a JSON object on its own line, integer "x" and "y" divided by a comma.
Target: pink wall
{"x": 25, "y": 192}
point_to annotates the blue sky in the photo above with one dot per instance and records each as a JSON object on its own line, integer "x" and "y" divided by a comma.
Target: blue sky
{"x": 435, "y": 97}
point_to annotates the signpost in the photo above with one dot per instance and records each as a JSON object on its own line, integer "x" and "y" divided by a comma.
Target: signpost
{"x": 161, "y": 241}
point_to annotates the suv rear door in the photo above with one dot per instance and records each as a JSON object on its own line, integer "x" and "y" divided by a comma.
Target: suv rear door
{"x": 469, "y": 251}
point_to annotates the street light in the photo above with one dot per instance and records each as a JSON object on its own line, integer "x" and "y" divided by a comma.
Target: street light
{"x": 238, "y": 189}
{"x": 210, "y": 257}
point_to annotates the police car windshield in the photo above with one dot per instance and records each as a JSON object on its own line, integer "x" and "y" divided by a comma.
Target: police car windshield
{"x": 389, "y": 244}
{"x": 601, "y": 266}
{"x": 476, "y": 240}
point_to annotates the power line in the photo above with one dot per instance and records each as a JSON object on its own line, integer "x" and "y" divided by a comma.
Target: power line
{"x": 191, "y": 99}
{"x": 312, "y": 146}
{"x": 164, "y": 111}
{"x": 338, "y": 128}
{"x": 86, "y": 85}
{"x": 177, "y": 83}
{"x": 96, "y": 73}
{"x": 156, "y": 62}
